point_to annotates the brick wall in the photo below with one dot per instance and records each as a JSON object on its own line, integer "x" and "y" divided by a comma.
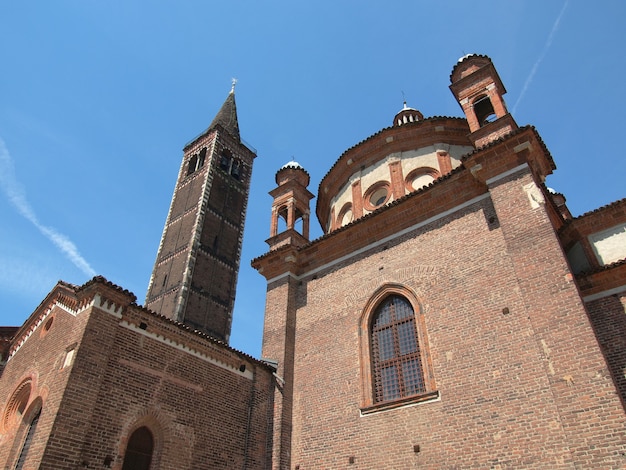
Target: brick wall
{"x": 522, "y": 382}
{"x": 608, "y": 317}
{"x": 40, "y": 360}
{"x": 207, "y": 406}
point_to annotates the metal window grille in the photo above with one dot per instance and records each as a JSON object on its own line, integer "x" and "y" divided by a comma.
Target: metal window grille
{"x": 396, "y": 361}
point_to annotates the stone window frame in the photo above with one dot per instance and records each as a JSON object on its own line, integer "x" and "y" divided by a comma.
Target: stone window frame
{"x": 368, "y": 401}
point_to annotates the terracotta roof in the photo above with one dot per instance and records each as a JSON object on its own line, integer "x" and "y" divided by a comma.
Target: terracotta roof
{"x": 513, "y": 133}
{"x": 467, "y": 57}
{"x": 369, "y": 215}
{"x": 106, "y": 282}
{"x": 599, "y": 209}
{"x": 421, "y": 190}
{"x": 133, "y": 298}
{"x": 615, "y": 264}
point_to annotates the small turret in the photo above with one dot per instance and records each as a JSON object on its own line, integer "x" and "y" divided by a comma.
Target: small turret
{"x": 291, "y": 205}
{"x": 407, "y": 115}
{"x": 479, "y": 90}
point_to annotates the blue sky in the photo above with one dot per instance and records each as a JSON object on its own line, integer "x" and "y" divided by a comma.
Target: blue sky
{"x": 97, "y": 100}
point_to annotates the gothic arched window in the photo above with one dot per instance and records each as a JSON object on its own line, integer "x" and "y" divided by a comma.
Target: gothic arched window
{"x": 139, "y": 450}
{"x": 395, "y": 357}
{"x": 28, "y": 440}
{"x": 396, "y": 361}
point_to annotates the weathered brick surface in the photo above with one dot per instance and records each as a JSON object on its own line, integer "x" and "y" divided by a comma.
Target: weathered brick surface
{"x": 608, "y": 317}
{"x": 195, "y": 273}
{"x": 39, "y": 359}
{"x": 521, "y": 378}
{"x": 133, "y": 368}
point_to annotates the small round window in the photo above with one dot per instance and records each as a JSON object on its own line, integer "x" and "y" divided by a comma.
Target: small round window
{"x": 377, "y": 195}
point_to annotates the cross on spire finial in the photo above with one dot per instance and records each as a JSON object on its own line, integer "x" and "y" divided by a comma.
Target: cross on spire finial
{"x": 233, "y": 82}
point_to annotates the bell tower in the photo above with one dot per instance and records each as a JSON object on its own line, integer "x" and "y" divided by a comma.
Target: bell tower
{"x": 195, "y": 273}
{"x": 477, "y": 87}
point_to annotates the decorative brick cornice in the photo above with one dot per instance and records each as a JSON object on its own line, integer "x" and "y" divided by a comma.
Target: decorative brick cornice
{"x": 593, "y": 221}
{"x": 603, "y": 282}
{"x": 463, "y": 61}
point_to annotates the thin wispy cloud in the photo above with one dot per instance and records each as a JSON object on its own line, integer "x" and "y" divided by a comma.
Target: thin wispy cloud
{"x": 547, "y": 45}
{"x": 16, "y": 195}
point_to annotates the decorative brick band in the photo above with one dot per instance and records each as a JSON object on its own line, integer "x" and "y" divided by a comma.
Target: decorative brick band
{"x": 247, "y": 373}
{"x": 385, "y": 240}
{"x": 510, "y": 172}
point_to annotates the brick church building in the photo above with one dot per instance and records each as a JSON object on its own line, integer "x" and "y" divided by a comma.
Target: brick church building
{"x": 453, "y": 315}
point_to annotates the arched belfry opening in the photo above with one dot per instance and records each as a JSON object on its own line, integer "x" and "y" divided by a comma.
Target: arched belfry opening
{"x": 290, "y": 210}
{"x": 483, "y": 110}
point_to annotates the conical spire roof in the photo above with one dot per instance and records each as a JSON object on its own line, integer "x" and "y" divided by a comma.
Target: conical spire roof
{"x": 227, "y": 116}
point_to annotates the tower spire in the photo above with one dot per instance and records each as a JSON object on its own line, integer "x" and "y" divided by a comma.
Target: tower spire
{"x": 227, "y": 115}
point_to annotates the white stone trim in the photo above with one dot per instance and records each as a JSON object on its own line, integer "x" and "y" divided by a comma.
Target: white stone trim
{"x": 606, "y": 293}
{"x": 61, "y": 306}
{"x": 113, "y": 309}
{"x": 407, "y": 405}
{"x": 181, "y": 347}
{"x": 512, "y": 171}
{"x": 384, "y": 240}
{"x": 282, "y": 276}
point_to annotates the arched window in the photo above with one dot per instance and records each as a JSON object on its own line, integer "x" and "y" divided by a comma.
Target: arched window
{"x": 30, "y": 432}
{"x": 201, "y": 158}
{"x": 420, "y": 177}
{"x": 225, "y": 159}
{"x": 235, "y": 169}
{"x": 396, "y": 362}
{"x": 483, "y": 109}
{"x": 14, "y": 412}
{"x": 345, "y": 215}
{"x": 139, "y": 450}
{"x": 193, "y": 161}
